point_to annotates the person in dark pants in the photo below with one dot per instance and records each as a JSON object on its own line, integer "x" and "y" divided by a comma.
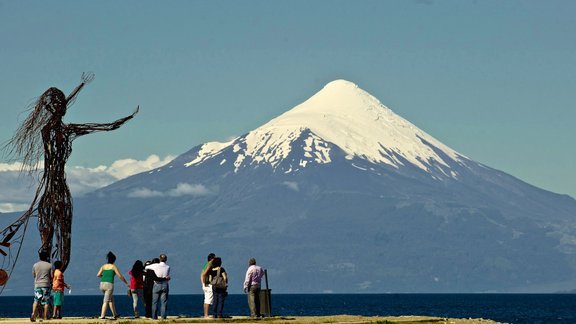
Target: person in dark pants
{"x": 149, "y": 278}
{"x": 148, "y": 285}
{"x": 219, "y": 287}
{"x": 252, "y": 286}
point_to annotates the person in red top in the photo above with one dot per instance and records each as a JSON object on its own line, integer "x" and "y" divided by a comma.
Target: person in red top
{"x": 58, "y": 286}
{"x": 137, "y": 285}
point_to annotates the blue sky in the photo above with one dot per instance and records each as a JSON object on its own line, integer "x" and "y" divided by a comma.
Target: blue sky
{"x": 494, "y": 80}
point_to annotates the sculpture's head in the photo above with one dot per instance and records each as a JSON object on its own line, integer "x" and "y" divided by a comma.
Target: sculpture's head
{"x": 54, "y": 101}
{"x": 27, "y": 144}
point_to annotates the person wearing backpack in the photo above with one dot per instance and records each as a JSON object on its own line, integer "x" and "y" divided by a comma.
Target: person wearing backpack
{"x": 219, "y": 281}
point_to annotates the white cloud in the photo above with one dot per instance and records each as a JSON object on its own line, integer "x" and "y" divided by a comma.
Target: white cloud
{"x": 292, "y": 185}
{"x": 18, "y": 189}
{"x": 186, "y": 189}
{"x": 82, "y": 180}
{"x": 127, "y": 167}
{"x": 17, "y": 166}
{"x": 145, "y": 193}
{"x": 8, "y": 208}
{"x": 182, "y": 189}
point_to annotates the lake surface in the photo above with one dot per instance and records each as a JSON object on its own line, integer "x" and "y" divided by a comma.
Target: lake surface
{"x": 508, "y": 308}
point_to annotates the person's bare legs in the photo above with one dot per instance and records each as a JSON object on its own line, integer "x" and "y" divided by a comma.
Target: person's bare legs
{"x": 45, "y": 315}
{"x": 34, "y": 309}
{"x": 206, "y": 309}
{"x": 104, "y": 309}
{"x": 113, "y": 309}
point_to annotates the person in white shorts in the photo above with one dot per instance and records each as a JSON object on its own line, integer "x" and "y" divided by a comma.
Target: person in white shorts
{"x": 206, "y": 286}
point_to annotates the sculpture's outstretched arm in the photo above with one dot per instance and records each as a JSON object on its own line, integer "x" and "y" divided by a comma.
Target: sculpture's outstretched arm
{"x": 86, "y": 78}
{"x": 83, "y": 129}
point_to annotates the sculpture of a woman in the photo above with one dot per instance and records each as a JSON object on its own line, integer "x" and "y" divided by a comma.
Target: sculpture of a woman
{"x": 44, "y": 133}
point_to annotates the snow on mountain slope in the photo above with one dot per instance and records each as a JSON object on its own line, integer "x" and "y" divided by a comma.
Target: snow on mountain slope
{"x": 344, "y": 115}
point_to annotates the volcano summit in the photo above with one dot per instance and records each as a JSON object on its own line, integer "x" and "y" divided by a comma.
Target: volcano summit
{"x": 340, "y": 115}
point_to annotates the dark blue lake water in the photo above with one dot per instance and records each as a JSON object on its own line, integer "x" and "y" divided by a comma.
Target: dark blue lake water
{"x": 508, "y": 308}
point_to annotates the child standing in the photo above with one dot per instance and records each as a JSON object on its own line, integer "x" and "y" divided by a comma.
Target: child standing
{"x": 58, "y": 286}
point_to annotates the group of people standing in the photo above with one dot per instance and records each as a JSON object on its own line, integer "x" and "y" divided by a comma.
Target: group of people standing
{"x": 214, "y": 282}
{"x": 148, "y": 284}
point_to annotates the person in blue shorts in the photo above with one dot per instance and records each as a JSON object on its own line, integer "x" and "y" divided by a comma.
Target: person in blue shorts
{"x": 42, "y": 273}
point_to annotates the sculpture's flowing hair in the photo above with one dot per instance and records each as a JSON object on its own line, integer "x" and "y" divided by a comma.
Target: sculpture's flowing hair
{"x": 26, "y": 145}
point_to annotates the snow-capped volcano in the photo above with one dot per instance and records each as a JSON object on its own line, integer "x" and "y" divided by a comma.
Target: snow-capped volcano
{"x": 343, "y": 115}
{"x": 337, "y": 194}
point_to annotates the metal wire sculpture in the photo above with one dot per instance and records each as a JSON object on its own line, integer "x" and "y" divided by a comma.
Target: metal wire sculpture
{"x": 44, "y": 134}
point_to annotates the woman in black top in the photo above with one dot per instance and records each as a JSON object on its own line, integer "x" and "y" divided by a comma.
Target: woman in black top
{"x": 219, "y": 286}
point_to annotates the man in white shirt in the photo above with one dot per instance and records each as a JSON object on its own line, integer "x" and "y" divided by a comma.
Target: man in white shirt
{"x": 160, "y": 289}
